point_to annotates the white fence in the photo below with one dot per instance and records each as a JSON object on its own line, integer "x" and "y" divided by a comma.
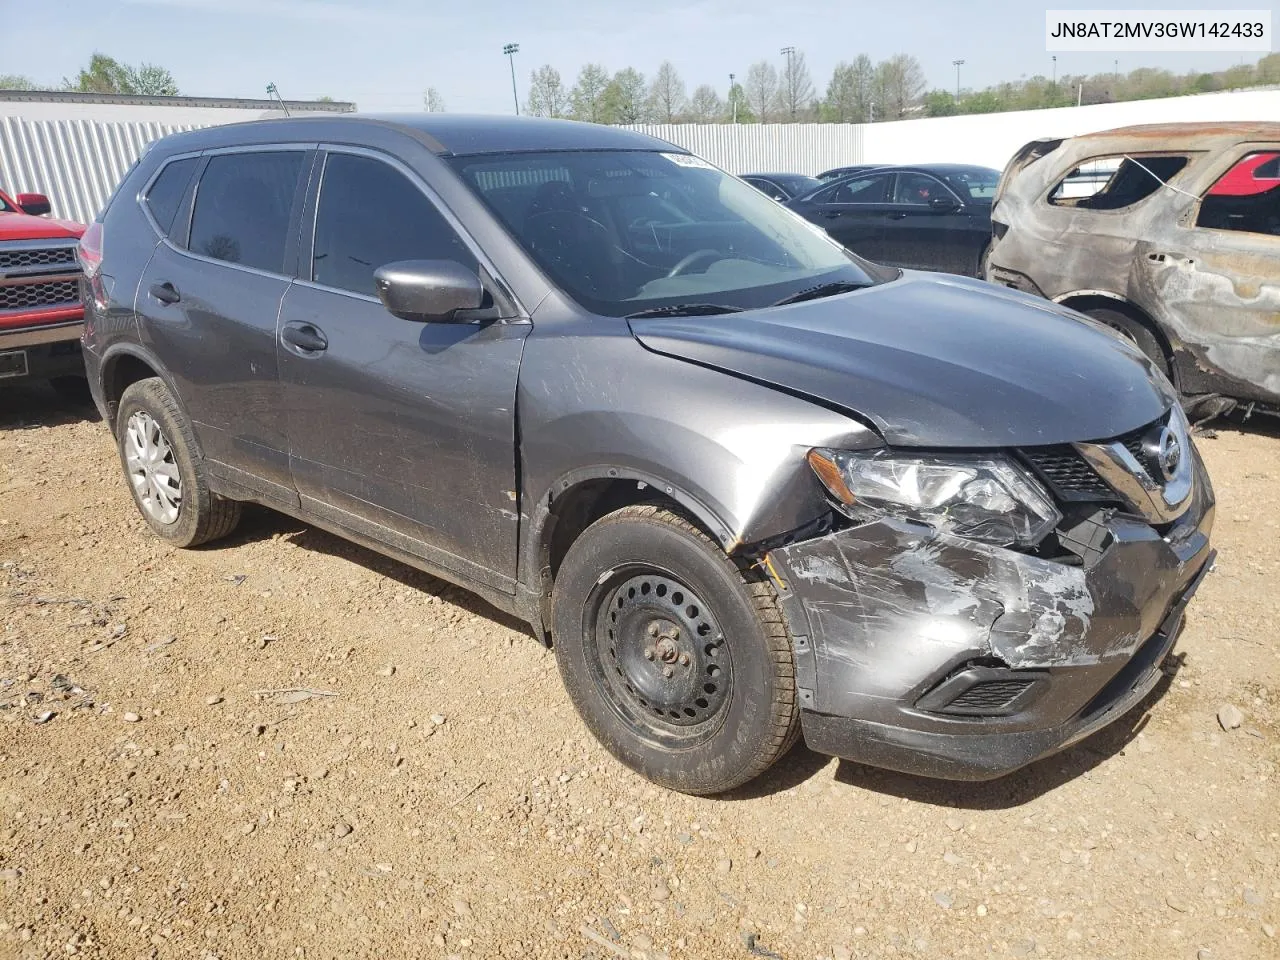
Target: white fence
{"x": 78, "y": 162}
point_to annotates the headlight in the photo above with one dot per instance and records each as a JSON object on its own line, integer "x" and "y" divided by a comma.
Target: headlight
{"x": 986, "y": 499}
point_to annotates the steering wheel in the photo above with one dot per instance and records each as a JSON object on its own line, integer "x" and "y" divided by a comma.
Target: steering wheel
{"x": 681, "y": 268}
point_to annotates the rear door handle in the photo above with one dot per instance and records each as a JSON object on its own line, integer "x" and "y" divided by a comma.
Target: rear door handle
{"x": 304, "y": 336}
{"x": 165, "y": 292}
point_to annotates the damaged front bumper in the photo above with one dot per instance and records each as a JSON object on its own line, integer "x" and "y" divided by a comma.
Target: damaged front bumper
{"x": 934, "y": 655}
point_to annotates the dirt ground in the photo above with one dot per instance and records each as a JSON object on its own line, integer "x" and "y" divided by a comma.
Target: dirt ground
{"x": 441, "y": 798}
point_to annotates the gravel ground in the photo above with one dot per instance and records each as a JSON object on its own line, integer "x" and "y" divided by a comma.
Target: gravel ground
{"x": 422, "y": 786}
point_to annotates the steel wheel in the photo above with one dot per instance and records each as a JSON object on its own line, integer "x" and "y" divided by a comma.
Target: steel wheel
{"x": 152, "y": 468}
{"x": 659, "y": 656}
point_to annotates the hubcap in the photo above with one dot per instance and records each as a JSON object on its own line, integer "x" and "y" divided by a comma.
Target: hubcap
{"x": 152, "y": 468}
{"x": 661, "y": 654}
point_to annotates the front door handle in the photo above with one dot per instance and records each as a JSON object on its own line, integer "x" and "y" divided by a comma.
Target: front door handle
{"x": 305, "y": 337}
{"x": 897, "y": 215}
{"x": 165, "y": 292}
{"x": 831, "y": 214}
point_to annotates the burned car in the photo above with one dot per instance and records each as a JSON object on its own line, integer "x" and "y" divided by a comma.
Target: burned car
{"x": 1170, "y": 235}
{"x": 748, "y": 485}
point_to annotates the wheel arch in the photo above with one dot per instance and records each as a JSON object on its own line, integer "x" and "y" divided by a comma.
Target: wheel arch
{"x": 124, "y": 365}
{"x": 1086, "y": 300}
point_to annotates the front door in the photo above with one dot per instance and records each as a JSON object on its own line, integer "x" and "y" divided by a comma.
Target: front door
{"x": 399, "y": 430}
{"x": 208, "y": 303}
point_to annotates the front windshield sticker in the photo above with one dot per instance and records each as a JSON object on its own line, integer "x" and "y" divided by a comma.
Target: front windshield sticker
{"x": 688, "y": 160}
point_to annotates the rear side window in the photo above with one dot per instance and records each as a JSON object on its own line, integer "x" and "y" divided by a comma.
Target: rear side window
{"x": 1246, "y": 197}
{"x": 1113, "y": 183}
{"x": 165, "y": 195}
{"x": 242, "y": 208}
{"x": 370, "y": 214}
{"x": 869, "y": 190}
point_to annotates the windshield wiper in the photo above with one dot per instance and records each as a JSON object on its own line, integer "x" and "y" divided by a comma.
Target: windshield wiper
{"x": 821, "y": 290}
{"x": 684, "y": 310}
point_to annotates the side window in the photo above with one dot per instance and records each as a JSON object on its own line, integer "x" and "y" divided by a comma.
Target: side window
{"x": 918, "y": 188}
{"x": 1246, "y": 197}
{"x": 369, "y": 214}
{"x": 866, "y": 190}
{"x": 1113, "y": 183}
{"x": 242, "y": 208}
{"x": 165, "y": 195}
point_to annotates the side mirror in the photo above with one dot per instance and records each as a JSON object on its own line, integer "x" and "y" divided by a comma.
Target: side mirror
{"x": 429, "y": 291}
{"x": 34, "y": 204}
{"x": 944, "y": 204}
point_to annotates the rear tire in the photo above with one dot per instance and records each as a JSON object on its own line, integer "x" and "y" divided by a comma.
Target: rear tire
{"x": 1135, "y": 332}
{"x": 168, "y": 482}
{"x": 679, "y": 666}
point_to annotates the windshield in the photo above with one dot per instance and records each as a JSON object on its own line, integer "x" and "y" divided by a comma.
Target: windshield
{"x": 4, "y": 205}
{"x": 627, "y": 231}
{"x": 977, "y": 184}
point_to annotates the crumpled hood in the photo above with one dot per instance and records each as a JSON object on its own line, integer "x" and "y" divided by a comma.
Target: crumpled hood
{"x": 935, "y": 361}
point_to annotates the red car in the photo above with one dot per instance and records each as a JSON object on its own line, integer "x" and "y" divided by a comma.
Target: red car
{"x": 41, "y": 316}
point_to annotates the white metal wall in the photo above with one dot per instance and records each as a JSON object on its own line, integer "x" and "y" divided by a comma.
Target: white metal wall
{"x": 76, "y": 163}
{"x": 766, "y": 148}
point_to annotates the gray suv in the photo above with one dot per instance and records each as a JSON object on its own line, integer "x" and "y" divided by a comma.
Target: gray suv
{"x": 749, "y": 485}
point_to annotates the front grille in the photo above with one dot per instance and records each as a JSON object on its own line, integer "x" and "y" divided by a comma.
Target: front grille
{"x": 990, "y": 697}
{"x": 27, "y": 296}
{"x": 1068, "y": 472}
{"x": 47, "y": 256}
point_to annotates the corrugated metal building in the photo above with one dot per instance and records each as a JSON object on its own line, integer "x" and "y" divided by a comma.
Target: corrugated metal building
{"x": 75, "y": 147}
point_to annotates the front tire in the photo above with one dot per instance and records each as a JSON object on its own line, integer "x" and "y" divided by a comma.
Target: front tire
{"x": 680, "y": 666}
{"x": 168, "y": 482}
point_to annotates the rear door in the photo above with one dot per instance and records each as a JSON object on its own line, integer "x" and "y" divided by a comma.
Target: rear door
{"x": 1225, "y": 286}
{"x": 853, "y": 212}
{"x": 208, "y": 303}
{"x": 399, "y": 430}
{"x": 924, "y": 236}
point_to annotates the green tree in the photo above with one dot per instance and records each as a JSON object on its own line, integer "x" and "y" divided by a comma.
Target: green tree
{"x": 14, "y": 81}
{"x": 848, "y": 97}
{"x": 149, "y": 80}
{"x": 587, "y": 96}
{"x": 547, "y": 95}
{"x": 939, "y": 103}
{"x": 624, "y": 97}
{"x": 899, "y": 83}
{"x": 736, "y": 108}
{"x": 107, "y": 75}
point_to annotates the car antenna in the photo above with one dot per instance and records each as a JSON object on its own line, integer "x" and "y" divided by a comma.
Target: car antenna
{"x": 271, "y": 88}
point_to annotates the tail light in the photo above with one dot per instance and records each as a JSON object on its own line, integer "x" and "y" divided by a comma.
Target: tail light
{"x": 90, "y": 254}
{"x": 90, "y": 251}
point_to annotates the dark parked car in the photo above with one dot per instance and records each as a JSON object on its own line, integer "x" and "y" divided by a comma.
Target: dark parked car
{"x": 749, "y": 485}
{"x": 782, "y": 186}
{"x": 839, "y": 173}
{"x": 935, "y": 217}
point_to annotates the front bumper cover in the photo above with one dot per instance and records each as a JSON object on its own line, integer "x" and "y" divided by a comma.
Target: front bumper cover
{"x": 885, "y": 613}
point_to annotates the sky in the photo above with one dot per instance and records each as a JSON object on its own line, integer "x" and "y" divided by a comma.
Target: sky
{"x": 383, "y": 54}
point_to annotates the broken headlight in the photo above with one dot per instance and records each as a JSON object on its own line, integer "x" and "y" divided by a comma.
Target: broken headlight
{"x": 985, "y": 499}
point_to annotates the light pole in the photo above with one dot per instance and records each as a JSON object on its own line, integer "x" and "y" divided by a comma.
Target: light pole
{"x": 957, "y": 64}
{"x": 733, "y": 98}
{"x": 511, "y": 49}
{"x": 789, "y": 52}
{"x": 271, "y": 90}
{"x": 1055, "y": 71}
